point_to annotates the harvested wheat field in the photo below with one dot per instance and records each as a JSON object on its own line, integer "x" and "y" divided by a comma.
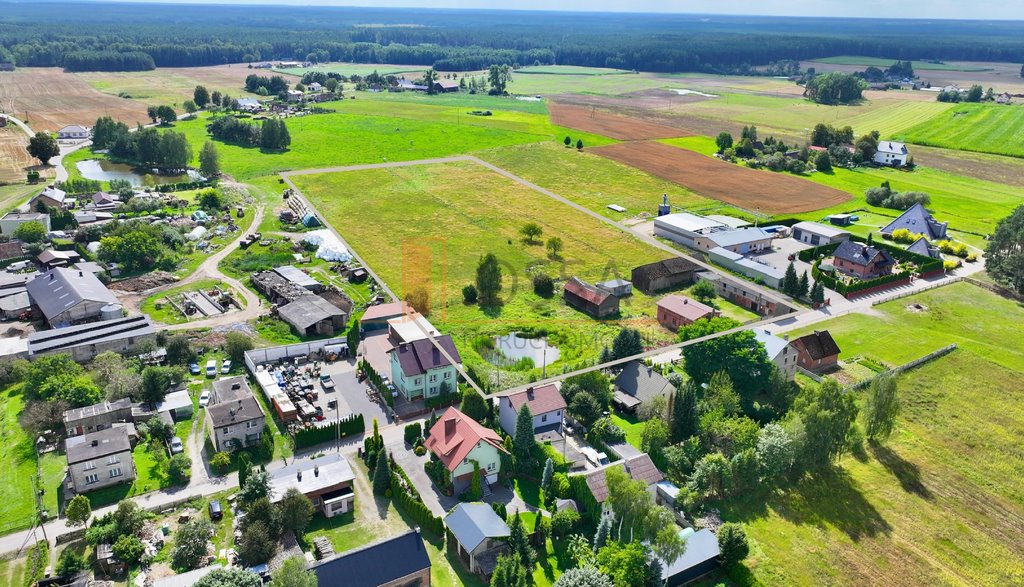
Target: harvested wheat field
{"x": 746, "y": 188}
{"x": 47, "y": 99}
{"x": 171, "y": 85}
{"x": 15, "y": 161}
{"x": 610, "y": 125}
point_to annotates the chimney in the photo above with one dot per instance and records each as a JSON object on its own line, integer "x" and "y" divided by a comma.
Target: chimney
{"x": 95, "y": 443}
{"x": 316, "y": 471}
{"x": 80, "y": 274}
{"x": 785, "y": 337}
{"x": 686, "y": 301}
{"x": 449, "y": 427}
{"x": 529, "y": 393}
{"x": 239, "y": 404}
{"x": 299, "y": 475}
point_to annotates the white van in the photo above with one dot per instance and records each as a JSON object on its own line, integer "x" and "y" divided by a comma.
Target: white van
{"x": 19, "y": 266}
{"x": 211, "y": 367}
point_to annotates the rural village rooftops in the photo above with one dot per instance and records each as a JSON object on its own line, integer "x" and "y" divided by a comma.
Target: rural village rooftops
{"x": 685, "y": 307}
{"x": 541, "y": 400}
{"x": 379, "y": 563}
{"x": 820, "y": 229}
{"x": 455, "y": 435}
{"x": 773, "y": 345}
{"x": 391, "y": 310}
{"x": 297, "y": 276}
{"x": 308, "y": 310}
{"x": 97, "y": 444}
{"x": 233, "y": 412}
{"x": 739, "y": 236}
{"x": 96, "y": 409}
{"x": 93, "y": 333}
{"x": 585, "y": 291}
{"x": 419, "y": 356}
{"x": 819, "y": 344}
{"x": 311, "y": 476}
{"x": 892, "y": 147}
{"x": 701, "y": 546}
{"x": 691, "y": 223}
{"x": 922, "y": 247}
{"x": 668, "y": 267}
{"x": 861, "y": 254}
{"x": 918, "y": 220}
{"x": 472, "y": 523}
{"x": 60, "y": 289}
{"x": 642, "y": 382}
{"x": 639, "y": 467}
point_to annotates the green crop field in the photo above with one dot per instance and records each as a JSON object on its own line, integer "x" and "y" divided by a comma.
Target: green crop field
{"x": 987, "y": 128}
{"x": 428, "y": 226}
{"x": 883, "y": 63}
{"x": 328, "y": 140}
{"x": 569, "y": 70}
{"x": 939, "y": 503}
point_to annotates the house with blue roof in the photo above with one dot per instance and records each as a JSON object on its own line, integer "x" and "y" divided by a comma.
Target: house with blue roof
{"x": 479, "y": 535}
{"x": 780, "y": 352}
{"x": 918, "y": 220}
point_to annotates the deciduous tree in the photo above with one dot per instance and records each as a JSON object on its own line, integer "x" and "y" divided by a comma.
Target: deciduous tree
{"x": 1004, "y": 256}
{"x": 209, "y": 160}
{"x": 201, "y": 96}
{"x": 44, "y": 147}
{"x": 190, "y": 544}
{"x": 881, "y": 407}
{"x": 826, "y": 411}
{"x": 78, "y": 511}
{"x": 488, "y": 279}
{"x": 724, "y": 141}
{"x": 293, "y": 573}
{"x": 530, "y": 231}
{"x": 554, "y": 247}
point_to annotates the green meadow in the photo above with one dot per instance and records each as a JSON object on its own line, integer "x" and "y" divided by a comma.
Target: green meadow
{"x": 986, "y": 128}
{"x": 883, "y": 63}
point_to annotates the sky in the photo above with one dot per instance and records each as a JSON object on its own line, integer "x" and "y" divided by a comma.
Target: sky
{"x": 928, "y": 9}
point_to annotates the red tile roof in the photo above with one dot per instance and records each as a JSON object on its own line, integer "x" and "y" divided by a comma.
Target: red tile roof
{"x": 640, "y": 468}
{"x": 541, "y": 400}
{"x": 455, "y": 435}
{"x": 386, "y": 311}
{"x": 586, "y": 291}
{"x": 685, "y": 307}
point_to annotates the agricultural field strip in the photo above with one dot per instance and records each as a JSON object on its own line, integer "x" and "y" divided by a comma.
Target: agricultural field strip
{"x": 642, "y": 237}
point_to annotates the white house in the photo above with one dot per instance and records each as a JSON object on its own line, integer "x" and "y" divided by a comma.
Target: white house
{"x": 815, "y": 234}
{"x": 546, "y": 404}
{"x": 463, "y": 445}
{"x": 73, "y": 132}
{"x": 892, "y": 154}
{"x": 294, "y": 95}
{"x": 780, "y": 352}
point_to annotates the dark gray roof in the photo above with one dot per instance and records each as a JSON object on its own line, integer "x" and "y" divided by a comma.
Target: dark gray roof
{"x": 701, "y": 546}
{"x": 376, "y": 564}
{"x": 296, "y": 276}
{"x": 60, "y": 289}
{"x": 642, "y": 382}
{"x": 472, "y": 523}
{"x": 63, "y": 339}
{"x": 230, "y": 389}
{"x": 97, "y": 409}
{"x": 818, "y": 344}
{"x": 922, "y": 247}
{"x": 233, "y": 405}
{"x": 860, "y": 253}
{"x": 418, "y": 357}
{"x": 918, "y": 221}
{"x": 97, "y": 444}
{"x": 307, "y": 311}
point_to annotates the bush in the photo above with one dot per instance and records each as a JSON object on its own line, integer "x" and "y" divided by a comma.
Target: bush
{"x": 69, "y": 563}
{"x": 179, "y": 469}
{"x": 412, "y": 432}
{"x": 420, "y": 450}
{"x": 560, "y": 485}
{"x": 415, "y": 509}
{"x": 220, "y": 462}
{"x": 543, "y": 285}
{"x": 469, "y": 294}
{"x": 564, "y": 522}
{"x": 353, "y": 424}
{"x": 128, "y": 549}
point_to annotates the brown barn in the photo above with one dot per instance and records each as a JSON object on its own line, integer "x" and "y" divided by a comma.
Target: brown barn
{"x": 664, "y": 274}
{"x": 589, "y": 299}
{"x": 817, "y": 352}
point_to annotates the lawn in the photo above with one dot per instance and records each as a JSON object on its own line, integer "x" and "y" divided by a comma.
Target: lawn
{"x": 427, "y": 226}
{"x": 14, "y": 195}
{"x": 18, "y": 464}
{"x": 986, "y": 128}
{"x": 940, "y": 503}
{"x": 633, "y": 428}
{"x": 570, "y": 70}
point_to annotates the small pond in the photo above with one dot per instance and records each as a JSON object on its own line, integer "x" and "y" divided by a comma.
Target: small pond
{"x": 515, "y": 347}
{"x": 104, "y": 170}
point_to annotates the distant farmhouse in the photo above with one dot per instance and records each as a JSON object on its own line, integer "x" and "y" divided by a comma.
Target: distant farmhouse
{"x": 665, "y": 274}
{"x": 590, "y": 299}
{"x": 892, "y": 154}
{"x": 73, "y": 132}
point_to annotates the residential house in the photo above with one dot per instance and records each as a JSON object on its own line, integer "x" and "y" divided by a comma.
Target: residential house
{"x": 50, "y": 197}
{"x": 817, "y": 352}
{"x": 779, "y": 351}
{"x": 294, "y": 95}
{"x": 617, "y": 287}
{"x": 443, "y": 86}
{"x": 249, "y": 105}
{"x": 1004, "y": 98}
{"x": 637, "y": 383}
{"x": 816, "y": 235}
{"x": 639, "y": 467}
{"x": 85, "y": 217}
{"x": 479, "y": 536}
{"x": 686, "y": 228}
{"x": 753, "y": 268}
{"x": 66, "y": 296}
{"x": 311, "y": 315}
{"x": 746, "y": 294}
{"x": 84, "y": 341}
{"x": 918, "y": 220}
{"x": 741, "y": 240}
{"x": 862, "y": 261}
{"x": 675, "y": 311}
{"x": 892, "y": 154}
{"x": 463, "y": 445}
{"x": 327, "y": 481}
{"x": 99, "y": 459}
{"x": 401, "y": 561}
{"x": 104, "y": 201}
{"x": 922, "y": 247}
{"x": 546, "y": 404}
{"x": 420, "y": 370}
{"x": 315, "y": 87}
{"x": 664, "y": 274}
{"x": 590, "y": 300}
{"x": 102, "y": 416}
{"x": 11, "y": 250}
{"x": 699, "y": 558}
{"x": 377, "y": 317}
{"x": 410, "y": 328}
{"x": 12, "y": 220}
{"x": 73, "y": 132}
{"x": 234, "y": 417}
{"x": 51, "y": 258}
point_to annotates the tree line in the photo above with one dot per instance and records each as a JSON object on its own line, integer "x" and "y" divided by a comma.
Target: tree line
{"x": 148, "y": 147}
{"x": 273, "y": 135}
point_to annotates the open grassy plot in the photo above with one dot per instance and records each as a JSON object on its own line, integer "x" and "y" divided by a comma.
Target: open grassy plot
{"x": 883, "y": 63}
{"x": 18, "y": 464}
{"x": 170, "y": 85}
{"x": 396, "y": 104}
{"x": 16, "y": 194}
{"x": 941, "y": 503}
{"x": 570, "y": 70}
{"x": 987, "y": 128}
{"x": 427, "y": 226}
{"x": 343, "y": 139}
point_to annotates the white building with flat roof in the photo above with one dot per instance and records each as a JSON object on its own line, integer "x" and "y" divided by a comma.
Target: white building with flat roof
{"x": 685, "y": 228}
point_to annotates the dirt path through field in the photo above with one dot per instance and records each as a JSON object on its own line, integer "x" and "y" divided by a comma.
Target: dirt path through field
{"x": 751, "y": 189}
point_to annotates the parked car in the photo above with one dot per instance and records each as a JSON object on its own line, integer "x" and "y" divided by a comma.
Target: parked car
{"x": 204, "y": 398}
{"x": 211, "y": 368}
{"x": 193, "y": 368}
{"x": 225, "y": 367}
{"x": 216, "y": 512}
{"x": 176, "y": 446}
{"x": 326, "y": 382}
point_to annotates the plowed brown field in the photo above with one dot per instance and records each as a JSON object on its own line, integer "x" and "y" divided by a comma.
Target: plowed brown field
{"x": 48, "y": 99}
{"x": 747, "y": 188}
{"x": 610, "y": 125}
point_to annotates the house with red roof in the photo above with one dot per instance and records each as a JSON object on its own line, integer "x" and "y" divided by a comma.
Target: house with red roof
{"x": 546, "y": 405}
{"x": 590, "y": 299}
{"x": 463, "y": 445}
{"x": 675, "y": 311}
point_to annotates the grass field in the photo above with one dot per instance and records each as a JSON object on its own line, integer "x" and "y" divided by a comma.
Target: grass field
{"x": 883, "y": 63}
{"x": 428, "y": 226}
{"x": 941, "y": 503}
{"x": 348, "y": 69}
{"x": 986, "y": 128}
{"x": 570, "y": 70}
{"x": 170, "y": 86}
{"x": 16, "y": 194}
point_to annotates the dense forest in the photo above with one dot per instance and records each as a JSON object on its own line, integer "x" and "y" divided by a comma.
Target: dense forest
{"x": 118, "y": 36}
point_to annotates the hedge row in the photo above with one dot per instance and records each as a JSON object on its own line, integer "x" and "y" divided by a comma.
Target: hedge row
{"x": 183, "y": 186}
{"x": 925, "y": 264}
{"x": 443, "y": 400}
{"x": 414, "y": 508}
{"x": 584, "y": 498}
{"x": 351, "y": 425}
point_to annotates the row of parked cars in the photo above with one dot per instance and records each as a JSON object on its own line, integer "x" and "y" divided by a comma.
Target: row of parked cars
{"x": 211, "y": 368}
